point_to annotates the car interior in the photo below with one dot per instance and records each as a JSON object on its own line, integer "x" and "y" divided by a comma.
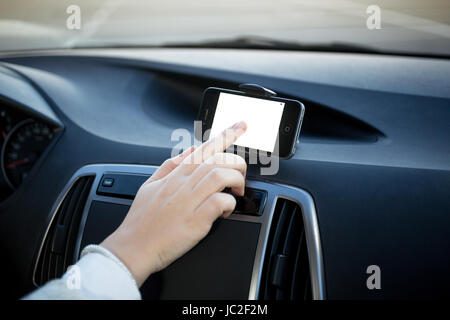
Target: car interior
{"x": 84, "y": 124}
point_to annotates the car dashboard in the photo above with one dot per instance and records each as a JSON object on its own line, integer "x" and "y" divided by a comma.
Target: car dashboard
{"x": 368, "y": 185}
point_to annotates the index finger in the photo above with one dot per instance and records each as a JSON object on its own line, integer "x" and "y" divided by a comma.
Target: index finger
{"x": 218, "y": 143}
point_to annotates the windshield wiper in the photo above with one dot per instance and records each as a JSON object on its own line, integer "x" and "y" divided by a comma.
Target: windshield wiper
{"x": 262, "y": 43}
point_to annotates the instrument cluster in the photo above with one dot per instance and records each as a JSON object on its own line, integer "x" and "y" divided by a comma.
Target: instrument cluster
{"x": 23, "y": 139}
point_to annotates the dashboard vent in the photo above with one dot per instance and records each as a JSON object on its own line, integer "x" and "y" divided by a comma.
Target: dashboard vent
{"x": 58, "y": 250}
{"x": 286, "y": 274}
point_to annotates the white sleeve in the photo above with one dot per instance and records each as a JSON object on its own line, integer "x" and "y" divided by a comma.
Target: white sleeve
{"x": 99, "y": 274}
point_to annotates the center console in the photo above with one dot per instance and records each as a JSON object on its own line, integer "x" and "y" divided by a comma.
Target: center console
{"x": 269, "y": 248}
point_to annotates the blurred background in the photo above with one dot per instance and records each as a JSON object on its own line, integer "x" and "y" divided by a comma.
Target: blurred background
{"x": 407, "y": 26}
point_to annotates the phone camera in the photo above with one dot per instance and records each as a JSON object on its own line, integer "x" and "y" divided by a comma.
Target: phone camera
{"x": 287, "y": 129}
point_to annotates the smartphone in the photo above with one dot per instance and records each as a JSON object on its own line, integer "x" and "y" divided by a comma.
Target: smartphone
{"x": 273, "y": 123}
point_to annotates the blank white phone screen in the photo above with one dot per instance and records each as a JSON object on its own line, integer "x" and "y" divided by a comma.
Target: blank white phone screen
{"x": 262, "y": 116}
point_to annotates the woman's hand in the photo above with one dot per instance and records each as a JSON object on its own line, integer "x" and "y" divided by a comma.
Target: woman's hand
{"x": 176, "y": 207}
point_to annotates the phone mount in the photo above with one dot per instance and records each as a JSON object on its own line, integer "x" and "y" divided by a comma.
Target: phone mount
{"x": 256, "y": 89}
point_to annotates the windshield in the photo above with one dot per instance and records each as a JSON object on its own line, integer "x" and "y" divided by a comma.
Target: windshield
{"x": 392, "y": 26}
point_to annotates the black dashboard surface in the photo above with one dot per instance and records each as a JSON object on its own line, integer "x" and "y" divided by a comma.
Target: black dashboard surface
{"x": 374, "y": 151}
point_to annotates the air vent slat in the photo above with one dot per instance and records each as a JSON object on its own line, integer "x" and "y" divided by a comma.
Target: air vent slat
{"x": 279, "y": 268}
{"x": 76, "y": 219}
{"x": 59, "y": 266}
{"x": 286, "y": 269}
{"x": 58, "y": 249}
{"x": 300, "y": 280}
{"x": 51, "y": 266}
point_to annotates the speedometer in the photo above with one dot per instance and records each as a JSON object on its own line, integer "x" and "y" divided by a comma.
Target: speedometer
{"x": 6, "y": 124}
{"x": 22, "y": 148}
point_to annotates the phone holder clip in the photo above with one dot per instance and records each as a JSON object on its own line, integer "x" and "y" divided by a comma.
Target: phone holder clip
{"x": 256, "y": 89}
